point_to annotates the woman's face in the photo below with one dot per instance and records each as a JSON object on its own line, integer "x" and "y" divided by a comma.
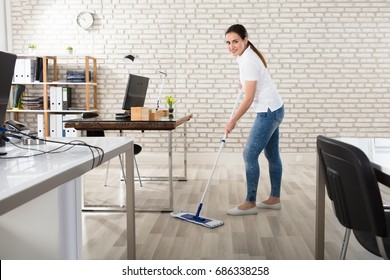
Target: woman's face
{"x": 235, "y": 44}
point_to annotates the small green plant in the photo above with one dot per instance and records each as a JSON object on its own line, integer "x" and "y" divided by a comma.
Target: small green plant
{"x": 170, "y": 101}
{"x": 69, "y": 48}
{"x": 32, "y": 46}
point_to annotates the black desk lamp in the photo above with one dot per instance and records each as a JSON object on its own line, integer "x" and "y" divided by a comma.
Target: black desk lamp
{"x": 163, "y": 75}
{"x": 131, "y": 57}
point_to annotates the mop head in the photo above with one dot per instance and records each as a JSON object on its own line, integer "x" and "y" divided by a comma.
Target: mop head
{"x": 203, "y": 221}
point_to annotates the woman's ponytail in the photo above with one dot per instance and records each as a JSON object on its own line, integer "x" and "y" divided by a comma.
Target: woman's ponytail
{"x": 258, "y": 53}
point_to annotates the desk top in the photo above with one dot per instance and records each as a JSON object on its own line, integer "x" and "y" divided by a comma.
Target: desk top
{"x": 23, "y": 179}
{"x": 94, "y": 124}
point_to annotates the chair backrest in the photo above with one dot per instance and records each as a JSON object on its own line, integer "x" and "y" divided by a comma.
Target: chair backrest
{"x": 352, "y": 186}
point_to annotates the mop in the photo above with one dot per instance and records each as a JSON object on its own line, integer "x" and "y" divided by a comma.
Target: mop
{"x": 196, "y": 219}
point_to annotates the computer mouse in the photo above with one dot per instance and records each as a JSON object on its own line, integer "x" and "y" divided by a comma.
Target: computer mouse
{"x": 88, "y": 115}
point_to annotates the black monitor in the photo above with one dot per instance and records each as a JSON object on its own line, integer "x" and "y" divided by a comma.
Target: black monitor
{"x": 7, "y": 66}
{"x": 135, "y": 92}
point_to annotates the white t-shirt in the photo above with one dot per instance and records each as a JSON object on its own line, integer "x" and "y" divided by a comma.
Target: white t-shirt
{"x": 253, "y": 69}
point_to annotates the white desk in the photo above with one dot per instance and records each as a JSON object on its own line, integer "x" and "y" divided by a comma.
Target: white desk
{"x": 40, "y": 199}
{"x": 378, "y": 151}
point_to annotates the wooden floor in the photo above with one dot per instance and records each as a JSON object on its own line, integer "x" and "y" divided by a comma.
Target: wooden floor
{"x": 272, "y": 235}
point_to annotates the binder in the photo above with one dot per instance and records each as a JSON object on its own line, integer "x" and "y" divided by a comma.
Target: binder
{"x": 53, "y": 98}
{"x": 29, "y": 70}
{"x": 59, "y": 125}
{"x": 53, "y": 125}
{"x": 19, "y": 71}
{"x": 64, "y": 98}
{"x": 39, "y": 69}
{"x": 59, "y": 98}
{"x": 40, "y": 126}
{"x": 25, "y": 70}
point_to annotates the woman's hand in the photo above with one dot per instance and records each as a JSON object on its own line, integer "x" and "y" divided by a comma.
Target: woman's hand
{"x": 229, "y": 127}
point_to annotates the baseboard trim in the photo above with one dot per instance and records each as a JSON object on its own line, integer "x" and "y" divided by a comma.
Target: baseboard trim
{"x": 199, "y": 158}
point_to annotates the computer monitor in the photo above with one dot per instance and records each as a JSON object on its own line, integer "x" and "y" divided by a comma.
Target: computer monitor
{"x": 7, "y": 66}
{"x": 135, "y": 92}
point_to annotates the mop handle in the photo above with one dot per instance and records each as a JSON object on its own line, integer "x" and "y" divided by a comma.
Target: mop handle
{"x": 233, "y": 111}
{"x": 220, "y": 149}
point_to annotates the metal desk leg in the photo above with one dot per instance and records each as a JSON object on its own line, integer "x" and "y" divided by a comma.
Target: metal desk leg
{"x": 320, "y": 215}
{"x": 170, "y": 171}
{"x": 185, "y": 153}
{"x": 130, "y": 202}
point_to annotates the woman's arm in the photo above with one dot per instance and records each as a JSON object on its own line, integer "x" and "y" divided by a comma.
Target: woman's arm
{"x": 250, "y": 90}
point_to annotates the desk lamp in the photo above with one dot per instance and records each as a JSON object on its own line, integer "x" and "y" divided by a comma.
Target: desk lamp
{"x": 130, "y": 57}
{"x": 163, "y": 76}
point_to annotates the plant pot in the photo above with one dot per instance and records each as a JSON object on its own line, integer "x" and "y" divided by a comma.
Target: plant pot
{"x": 170, "y": 115}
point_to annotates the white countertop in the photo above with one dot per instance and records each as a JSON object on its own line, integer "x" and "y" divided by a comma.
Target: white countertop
{"x": 23, "y": 179}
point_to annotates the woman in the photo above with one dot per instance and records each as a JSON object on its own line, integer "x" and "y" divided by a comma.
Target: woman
{"x": 262, "y": 96}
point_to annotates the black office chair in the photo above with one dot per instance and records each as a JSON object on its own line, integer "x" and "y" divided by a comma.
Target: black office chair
{"x": 352, "y": 187}
{"x": 137, "y": 150}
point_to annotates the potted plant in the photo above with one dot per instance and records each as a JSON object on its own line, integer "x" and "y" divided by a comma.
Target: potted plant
{"x": 170, "y": 101}
{"x": 69, "y": 49}
{"x": 32, "y": 48}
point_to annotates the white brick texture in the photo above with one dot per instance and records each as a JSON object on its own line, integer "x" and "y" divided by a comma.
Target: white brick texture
{"x": 329, "y": 58}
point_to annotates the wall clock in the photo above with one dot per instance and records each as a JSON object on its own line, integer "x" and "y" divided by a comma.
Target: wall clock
{"x": 84, "y": 19}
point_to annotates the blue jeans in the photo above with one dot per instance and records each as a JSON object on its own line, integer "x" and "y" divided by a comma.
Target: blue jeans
{"x": 264, "y": 135}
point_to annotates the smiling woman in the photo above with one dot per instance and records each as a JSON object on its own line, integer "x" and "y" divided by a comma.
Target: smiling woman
{"x": 237, "y": 45}
{"x": 262, "y": 95}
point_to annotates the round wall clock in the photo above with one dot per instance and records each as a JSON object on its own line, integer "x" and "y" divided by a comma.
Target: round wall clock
{"x": 84, "y": 19}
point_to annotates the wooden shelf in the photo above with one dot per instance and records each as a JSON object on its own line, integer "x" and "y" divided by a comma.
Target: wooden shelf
{"x": 89, "y": 62}
{"x": 22, "y": 111}
{"x": 55, "y": 83}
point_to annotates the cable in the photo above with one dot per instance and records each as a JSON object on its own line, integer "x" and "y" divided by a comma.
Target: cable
{"x": 73, "y": 143}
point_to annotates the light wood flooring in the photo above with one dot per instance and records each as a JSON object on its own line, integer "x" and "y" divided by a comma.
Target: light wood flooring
{"x": 271, "y": 235}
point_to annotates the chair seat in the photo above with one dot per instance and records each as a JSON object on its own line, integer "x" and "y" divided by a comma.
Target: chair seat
{"x": 368, "y": 240}
{"x": 137, "y": 149}
{"x": 100, "y": 133}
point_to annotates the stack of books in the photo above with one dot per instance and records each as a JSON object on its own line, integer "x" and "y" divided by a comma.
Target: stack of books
{"x": 32, "y": 102}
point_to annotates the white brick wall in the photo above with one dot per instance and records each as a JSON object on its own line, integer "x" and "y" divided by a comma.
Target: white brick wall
{"x": 330, "y": 59}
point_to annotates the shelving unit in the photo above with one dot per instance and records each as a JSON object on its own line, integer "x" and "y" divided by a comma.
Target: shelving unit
{"x": 90, "y": 87}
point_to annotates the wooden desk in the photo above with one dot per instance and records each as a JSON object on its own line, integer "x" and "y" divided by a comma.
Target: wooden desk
{"x": 96, "y": 124}
{"x": 40, "y": 198}
{"x": 167, "y": 124}
{"x": 378, "y": 151}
